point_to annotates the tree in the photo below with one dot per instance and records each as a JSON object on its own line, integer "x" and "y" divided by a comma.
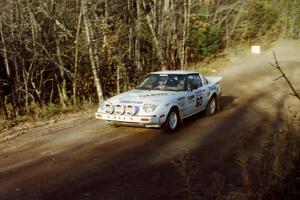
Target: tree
{"x": 91, "y": 51}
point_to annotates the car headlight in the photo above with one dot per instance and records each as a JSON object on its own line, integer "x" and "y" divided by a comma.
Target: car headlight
{"x": 130, "y": 110}
{"x": 149, "y": 107}
{"x": 108, "y": 108}
{"x": 119, "y": 109}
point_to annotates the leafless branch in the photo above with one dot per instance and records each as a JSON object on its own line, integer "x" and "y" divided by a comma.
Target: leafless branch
{"x": 277, "y": 66}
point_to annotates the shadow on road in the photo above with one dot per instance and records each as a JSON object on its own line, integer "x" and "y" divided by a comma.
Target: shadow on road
{"x": 226, "y": 102}
{"x": 140, "y": 166}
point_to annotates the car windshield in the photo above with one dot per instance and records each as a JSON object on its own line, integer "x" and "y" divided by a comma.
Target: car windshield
{"x": 164, "y": 82}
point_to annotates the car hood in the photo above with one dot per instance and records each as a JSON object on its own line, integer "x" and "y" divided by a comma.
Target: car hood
{"x": 143, "y": 96}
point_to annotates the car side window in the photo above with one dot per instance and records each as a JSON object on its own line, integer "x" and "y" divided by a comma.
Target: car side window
{"x": 198, "y": 80}
{"x": 194, "y": 81}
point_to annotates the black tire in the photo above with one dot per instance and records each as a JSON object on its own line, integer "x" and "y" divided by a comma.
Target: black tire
{"x": 212, "y": 106}
{"x": 172, "y": 122}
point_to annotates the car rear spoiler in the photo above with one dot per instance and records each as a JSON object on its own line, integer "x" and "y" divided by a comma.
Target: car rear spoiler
{"x": 213, "y": 79}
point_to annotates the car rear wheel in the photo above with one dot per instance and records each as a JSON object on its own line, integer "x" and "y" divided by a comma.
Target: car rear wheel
{"x": 172, "y": 122}
{"x": 211, "y": 106}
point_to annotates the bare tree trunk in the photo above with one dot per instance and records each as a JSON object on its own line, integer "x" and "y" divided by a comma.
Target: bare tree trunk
{"x": 130, "y": 36}
{"x": 51, "y": 93}
{"x": 165, "y": 33}
{"x": 76, "y": 55}
{"x": 118, "y": 79}
{"x": 63, "y": 89}
{"x": 105, "y": 23}
{"x": 157, "y": 46}
{"x": 138, "y": 36}
{"x": 25, "y": 79}
{"x": 4, "y": 51}
{"x": 92, "y": 58}
{"x": 33, "y": 28}
{"x": 95, "y": 46}
{"x": 131, "y": 42}
{"x": 187, "y": 29}
{"x": 173, "y": 34}
{"x": 186, "y": 17}
{"x": 59, "y": 91}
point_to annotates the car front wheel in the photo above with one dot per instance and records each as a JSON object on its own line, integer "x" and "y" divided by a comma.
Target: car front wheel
{"x": 172, "y": 122}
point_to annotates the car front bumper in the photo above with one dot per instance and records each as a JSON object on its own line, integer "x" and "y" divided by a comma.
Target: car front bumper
{"x": 142, "y": 121}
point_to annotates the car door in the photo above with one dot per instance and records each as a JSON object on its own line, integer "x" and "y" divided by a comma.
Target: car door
{"x": 205, "y": 92}
{"x": 194, "y": 94}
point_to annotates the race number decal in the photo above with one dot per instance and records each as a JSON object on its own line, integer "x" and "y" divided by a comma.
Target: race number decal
{"x": 199, "y": 101}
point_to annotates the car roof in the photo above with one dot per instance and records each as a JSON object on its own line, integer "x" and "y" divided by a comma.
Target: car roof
{"x": 175, "y": 72}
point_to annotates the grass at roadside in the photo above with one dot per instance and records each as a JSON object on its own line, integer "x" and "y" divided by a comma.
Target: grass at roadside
{"x": 47, "y": 112}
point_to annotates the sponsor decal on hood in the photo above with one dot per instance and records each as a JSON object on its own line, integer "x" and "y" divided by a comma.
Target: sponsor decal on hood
{"x": 153, "y": 95}
{"x": 131, "y": 102}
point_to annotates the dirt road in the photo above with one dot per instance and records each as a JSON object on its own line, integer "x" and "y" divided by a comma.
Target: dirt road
{"x": 91, "y": 160}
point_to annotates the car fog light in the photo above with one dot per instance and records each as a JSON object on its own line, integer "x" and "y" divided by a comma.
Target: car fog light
{"x": 108, "y": 108}
{"x": 130, "y": 110}
{"x": 119, "y": 109}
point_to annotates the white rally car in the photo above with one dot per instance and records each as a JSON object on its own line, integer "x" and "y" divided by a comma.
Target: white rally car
{"x": 163, "y": 99}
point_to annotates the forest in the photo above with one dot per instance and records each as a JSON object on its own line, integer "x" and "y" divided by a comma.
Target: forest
{"x": 66, "y": 52}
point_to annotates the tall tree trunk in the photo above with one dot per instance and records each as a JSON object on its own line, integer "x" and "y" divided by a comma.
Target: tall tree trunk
{"x": 63, "y": 96}
{"x": 59, "y": 91}
{"x": 4, "y": 50}
{"x": 137, "y": 52}
{"x": 26, "y": 91}
{"x": 131, "y": 42}
{"x": 76, "y": 55}
{"x": 187, "y": 30}
{"x": 92, "y": 57}
{"x": 157, "y": 46}
{"x": 118, "y": 79}
{"x": 105, "y": 23}
{"x": 166, "y": 34}
{"x": 184, "y": 34}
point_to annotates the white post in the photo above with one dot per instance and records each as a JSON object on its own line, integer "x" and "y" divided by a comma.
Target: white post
{"x": 255, "y": 49}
